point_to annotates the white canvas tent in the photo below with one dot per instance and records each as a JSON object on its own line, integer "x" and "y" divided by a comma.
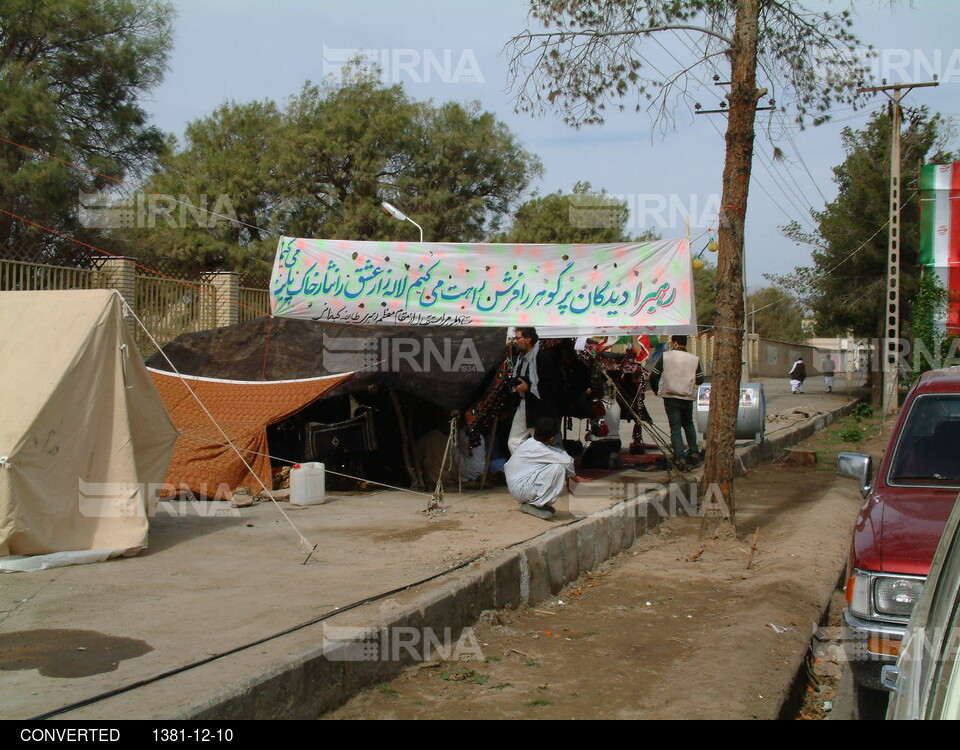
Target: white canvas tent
{"x": 83, "y": 430}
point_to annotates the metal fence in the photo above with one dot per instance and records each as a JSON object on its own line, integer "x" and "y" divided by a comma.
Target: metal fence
{"x": 252, "y": 303}
{"x": 169, "y": 308}
{"x": 21, "y": 276}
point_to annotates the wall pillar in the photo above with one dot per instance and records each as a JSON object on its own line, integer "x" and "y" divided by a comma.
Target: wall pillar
{"x": 120, "y": 273}
{"x": 226, "y": 286}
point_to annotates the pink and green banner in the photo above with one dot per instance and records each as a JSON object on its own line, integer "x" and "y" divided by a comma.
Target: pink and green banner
{"x": 565, "y": 290}
{"x": 940, "y": 231}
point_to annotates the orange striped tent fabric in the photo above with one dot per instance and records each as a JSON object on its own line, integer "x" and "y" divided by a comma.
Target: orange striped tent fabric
{"x": 244, "y": 409}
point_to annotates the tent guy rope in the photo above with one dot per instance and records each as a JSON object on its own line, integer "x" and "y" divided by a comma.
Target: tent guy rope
{"x": 310, "y": 547}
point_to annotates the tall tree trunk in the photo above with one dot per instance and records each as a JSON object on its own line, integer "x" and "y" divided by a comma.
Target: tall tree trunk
{"x": 728, "y": 339}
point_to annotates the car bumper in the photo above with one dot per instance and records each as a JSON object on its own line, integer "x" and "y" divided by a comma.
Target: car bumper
{"x": 866, "y": 663}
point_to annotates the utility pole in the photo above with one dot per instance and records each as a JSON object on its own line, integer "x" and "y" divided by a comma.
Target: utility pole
{"x": 891, "y": 339}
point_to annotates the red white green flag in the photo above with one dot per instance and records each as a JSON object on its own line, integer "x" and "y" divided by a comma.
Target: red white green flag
{"x": 940, "y": 231}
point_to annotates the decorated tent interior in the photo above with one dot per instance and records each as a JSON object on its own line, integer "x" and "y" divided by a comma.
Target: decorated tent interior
{"x": 365, "y": 424}
{"x": 275, "y": 386}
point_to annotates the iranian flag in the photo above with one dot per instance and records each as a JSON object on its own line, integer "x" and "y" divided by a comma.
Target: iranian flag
{"x": 940, "y": 231}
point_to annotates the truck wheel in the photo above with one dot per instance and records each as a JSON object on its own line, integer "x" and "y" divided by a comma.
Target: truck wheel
{"x": 871, "y": 704}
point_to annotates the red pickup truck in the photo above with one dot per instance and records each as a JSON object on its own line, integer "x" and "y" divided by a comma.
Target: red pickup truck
{"x": 906, "y": 507}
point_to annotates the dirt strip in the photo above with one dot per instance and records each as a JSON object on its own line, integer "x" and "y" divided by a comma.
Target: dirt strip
{"x": 676, "y": 627}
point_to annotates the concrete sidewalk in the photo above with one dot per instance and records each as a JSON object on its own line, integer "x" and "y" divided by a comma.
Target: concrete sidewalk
{"x": 221, "y": 618}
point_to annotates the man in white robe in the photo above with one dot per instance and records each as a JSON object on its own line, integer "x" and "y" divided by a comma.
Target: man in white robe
{"x": 537, "y": 471}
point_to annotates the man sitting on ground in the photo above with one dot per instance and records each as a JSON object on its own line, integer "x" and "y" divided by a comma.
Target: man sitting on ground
{"x": 537, "y": 471}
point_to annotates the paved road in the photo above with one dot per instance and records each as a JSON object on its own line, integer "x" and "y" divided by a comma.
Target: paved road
{"x": 779, "y": 401}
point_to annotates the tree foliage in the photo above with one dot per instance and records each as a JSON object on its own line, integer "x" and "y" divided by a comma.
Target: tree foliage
{"x": 580, "y": 216}
{"x": 321, "y": 165}
{"x": 845, "y": 287}
{"x": 779, "y": 315}
{"x": 932, "y": 347}
{"x": 72, "y": 74}
{"x": 705, "y": 295}
{"x": 590, "y": 56}
{"x": 776, "y": 315}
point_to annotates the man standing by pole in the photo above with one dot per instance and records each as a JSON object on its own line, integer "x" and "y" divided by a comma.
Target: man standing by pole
{"x": 675, "y": 379}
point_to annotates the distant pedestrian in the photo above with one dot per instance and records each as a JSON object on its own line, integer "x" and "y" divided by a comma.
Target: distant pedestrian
{"x": 828, "y": 367}
{"x": 798, "y": 373}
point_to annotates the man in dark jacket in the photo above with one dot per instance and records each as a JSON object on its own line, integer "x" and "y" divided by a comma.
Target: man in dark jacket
{"x": 798, "y": 373}
{"x": 537, "y": 383}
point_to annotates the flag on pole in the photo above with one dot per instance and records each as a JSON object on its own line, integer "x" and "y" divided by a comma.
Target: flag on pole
{"x": 940, "y": 232}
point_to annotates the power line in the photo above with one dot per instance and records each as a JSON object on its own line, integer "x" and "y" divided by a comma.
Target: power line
{"x": 761, "y": 156}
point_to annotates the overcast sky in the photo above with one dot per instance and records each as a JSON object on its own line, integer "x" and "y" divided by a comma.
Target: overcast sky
{"x": 244, "y": 50}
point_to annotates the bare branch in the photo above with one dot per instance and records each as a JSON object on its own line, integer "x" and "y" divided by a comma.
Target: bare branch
{"x": 561, "y": 35}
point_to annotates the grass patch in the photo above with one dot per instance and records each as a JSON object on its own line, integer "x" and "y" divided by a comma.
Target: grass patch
{"x": 851, "y": 430}
{"x": 464, "y": 675}
{"x": 385, "y": 689}
{"x": 851, "y": 434}
{"x": 857, "y": 431}
{"x": 539, "y": 702}
{"x": 457, "y": 675}
{"x": 532, "y": 663}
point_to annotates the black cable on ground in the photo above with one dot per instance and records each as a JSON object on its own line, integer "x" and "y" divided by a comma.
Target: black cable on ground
{"x": 170, "y": 673}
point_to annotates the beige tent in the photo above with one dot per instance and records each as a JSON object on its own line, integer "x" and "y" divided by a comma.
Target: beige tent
{"x": 83, "y": 431}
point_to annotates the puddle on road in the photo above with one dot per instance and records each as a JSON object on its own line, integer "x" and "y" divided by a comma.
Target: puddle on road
{"x": 67, "y": 653}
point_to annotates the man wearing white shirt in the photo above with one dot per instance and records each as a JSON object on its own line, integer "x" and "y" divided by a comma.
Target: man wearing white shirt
{"x": 537, "y": 471}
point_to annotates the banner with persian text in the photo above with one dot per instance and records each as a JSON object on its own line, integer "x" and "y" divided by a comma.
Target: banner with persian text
{"x": 565, "y": 290}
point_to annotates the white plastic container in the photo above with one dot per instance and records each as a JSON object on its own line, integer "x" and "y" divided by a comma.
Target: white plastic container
{"x": 308, "y": 484}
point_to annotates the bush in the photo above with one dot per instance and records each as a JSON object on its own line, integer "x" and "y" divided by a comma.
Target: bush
{"x": 861, "y": 412}
{"x": 852, "y": 434}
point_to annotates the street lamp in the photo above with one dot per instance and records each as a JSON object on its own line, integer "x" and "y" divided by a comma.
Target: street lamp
{"x": 399, "y": 215}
